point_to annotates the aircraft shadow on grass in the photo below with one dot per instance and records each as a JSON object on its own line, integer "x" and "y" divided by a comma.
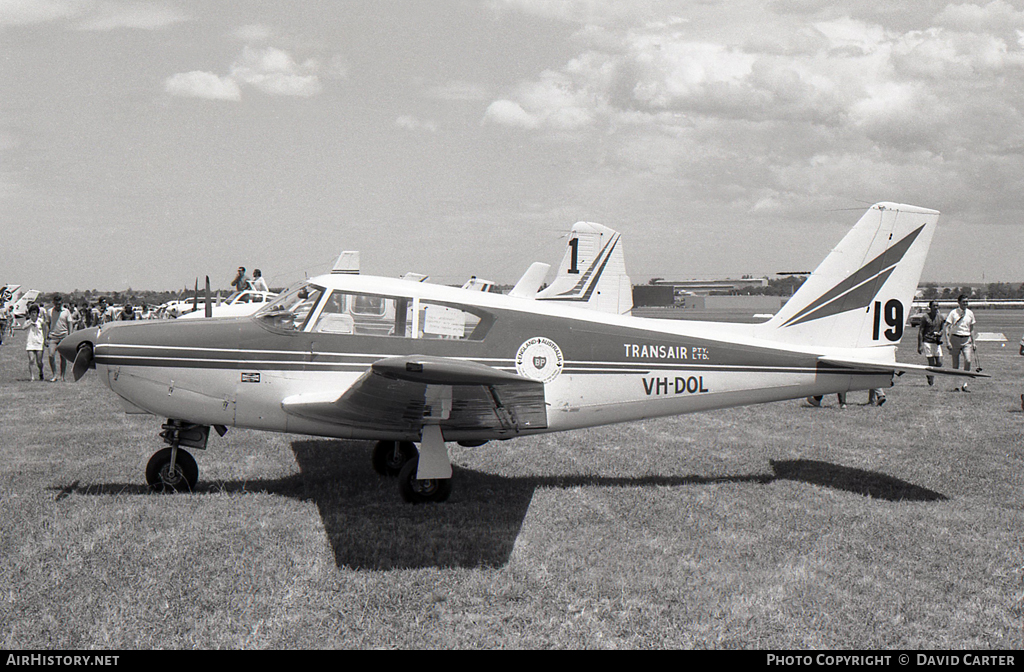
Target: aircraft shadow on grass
{"x": 370, "y": 527}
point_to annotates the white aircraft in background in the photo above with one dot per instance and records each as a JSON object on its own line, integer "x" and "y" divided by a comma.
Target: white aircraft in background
{"x": 238, "y": 304}
{"x": 16, "y": 301}
{"x": 414, "y": 365}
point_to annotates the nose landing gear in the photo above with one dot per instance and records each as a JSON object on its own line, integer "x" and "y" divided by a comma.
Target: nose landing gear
{"x": 173, "y": 469}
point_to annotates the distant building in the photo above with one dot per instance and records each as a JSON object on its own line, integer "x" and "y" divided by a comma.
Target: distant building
{"x": 653, "y": 295}
{"x": 682, "y": 288}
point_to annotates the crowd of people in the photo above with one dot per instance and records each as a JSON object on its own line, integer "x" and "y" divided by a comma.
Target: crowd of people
{"x": 47, "y": 326}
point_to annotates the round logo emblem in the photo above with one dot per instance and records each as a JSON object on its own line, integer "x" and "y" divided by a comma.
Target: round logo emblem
{"x": 540, "y": 359}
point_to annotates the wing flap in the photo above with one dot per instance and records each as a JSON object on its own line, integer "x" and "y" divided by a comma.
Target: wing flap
{"x": 402, "y": 394}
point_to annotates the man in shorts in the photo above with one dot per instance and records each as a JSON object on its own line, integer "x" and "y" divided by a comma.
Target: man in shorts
{"x": 929, "y": 337}
{"x": 959, "y": 329}
{"x": 58, "y": 319}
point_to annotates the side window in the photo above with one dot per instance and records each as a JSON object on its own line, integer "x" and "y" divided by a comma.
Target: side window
{"x": 377, "y": 315}
{"x": 451, "y": 322}
{"x": 364, "y": 315}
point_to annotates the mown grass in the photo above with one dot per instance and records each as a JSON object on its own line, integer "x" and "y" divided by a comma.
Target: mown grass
{"x": 774, "y": 526}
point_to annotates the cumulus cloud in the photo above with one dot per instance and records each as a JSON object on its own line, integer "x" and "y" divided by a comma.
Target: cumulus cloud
{"x": 269, "y": 69}
{"x": 760, "y": 106}
{"x": 275, "y": 72}
{"x": 510, "y": 113}
{"x": 198, "y": 84}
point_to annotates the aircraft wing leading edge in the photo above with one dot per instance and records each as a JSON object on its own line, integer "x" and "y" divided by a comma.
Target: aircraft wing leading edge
{"x": 405, "y": 394}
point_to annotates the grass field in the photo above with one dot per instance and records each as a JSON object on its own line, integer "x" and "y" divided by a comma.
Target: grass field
{"x": 774, "y": 526}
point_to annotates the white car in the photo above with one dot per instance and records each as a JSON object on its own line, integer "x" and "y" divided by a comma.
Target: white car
{"x": 238, "y": 304}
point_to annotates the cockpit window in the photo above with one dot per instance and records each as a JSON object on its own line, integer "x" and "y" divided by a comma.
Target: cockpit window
{"x": 364, "y": 314}
{"x": 291, "y": 310}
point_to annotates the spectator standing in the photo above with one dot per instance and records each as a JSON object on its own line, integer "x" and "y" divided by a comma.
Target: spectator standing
{"x": 257, "y": 282}
{"x": 99, "y": 313}
{"x": 35, "y": 340}
{"x": 929, "y": 337}
{"x": 59, "y": 324}
{"x": 959, "y": 329}
{"x": 241, "y": 281}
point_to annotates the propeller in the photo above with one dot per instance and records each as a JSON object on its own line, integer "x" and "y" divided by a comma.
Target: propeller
{"x": 83, "y": 360}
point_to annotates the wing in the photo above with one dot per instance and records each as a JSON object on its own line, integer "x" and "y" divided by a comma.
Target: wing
{"x": 403, "y": 394}
{"x": 899, "y": 368}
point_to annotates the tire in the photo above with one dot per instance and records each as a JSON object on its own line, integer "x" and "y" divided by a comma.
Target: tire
{"x": 184, "y": 478}
{"x": 416, "y": 491}
{"x": 385, "y": 460}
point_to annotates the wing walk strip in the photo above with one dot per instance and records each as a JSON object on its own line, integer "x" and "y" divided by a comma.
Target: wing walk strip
{"x": 292, "y": 361}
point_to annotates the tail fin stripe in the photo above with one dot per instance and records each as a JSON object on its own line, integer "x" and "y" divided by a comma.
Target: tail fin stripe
{"x": 886, "y": 260}
{"x": 858, "y": 297}
{"x": 592, "y": 275}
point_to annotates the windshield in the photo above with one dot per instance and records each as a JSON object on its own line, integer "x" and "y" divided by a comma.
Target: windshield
{"x": 291, "y": 310}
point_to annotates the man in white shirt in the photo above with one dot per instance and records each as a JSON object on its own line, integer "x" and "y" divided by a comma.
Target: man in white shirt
{"x": 59, "y": 322}
{"x": 959, "y": 329}
{"x": 258, "y": 283}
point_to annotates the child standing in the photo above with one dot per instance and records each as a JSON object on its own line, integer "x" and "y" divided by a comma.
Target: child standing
{"x": 37, "y": 333}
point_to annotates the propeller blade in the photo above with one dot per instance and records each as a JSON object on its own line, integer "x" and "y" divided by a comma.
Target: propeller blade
{"x": 83, "y": 361}
{"x": 209, "y": 304}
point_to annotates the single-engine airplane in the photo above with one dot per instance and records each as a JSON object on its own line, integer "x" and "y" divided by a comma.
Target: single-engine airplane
{"x": 414, "y": 365}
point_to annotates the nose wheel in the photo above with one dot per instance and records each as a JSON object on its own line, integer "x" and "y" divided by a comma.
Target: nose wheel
{"x": 172, "y": 470}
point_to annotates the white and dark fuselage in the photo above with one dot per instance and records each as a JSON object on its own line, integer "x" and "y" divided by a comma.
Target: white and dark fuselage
{"x": 594, "y": 368}
{"x": 400, "y": 361}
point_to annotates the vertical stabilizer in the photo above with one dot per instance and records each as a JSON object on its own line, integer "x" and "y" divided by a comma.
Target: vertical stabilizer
{"x": 860, "y": 296}
{"x": 593, "y": 271}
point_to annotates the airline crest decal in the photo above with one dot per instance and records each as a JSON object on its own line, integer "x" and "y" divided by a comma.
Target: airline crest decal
{"x": 539, "y": 359}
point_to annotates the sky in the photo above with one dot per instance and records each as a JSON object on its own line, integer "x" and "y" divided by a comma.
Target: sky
{"x": 147, "y": 144}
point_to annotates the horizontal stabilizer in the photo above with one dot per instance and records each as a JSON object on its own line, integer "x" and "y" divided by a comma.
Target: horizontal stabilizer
{"x": 898, "y": 367}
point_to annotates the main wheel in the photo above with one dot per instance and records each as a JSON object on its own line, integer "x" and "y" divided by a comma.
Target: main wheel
{"x": 416, "y": 491}
{"x": 389, "y": 456}
{"x": 182, "y": 479}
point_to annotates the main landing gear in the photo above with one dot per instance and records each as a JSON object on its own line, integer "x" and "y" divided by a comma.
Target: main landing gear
{"x": 173, "y": 469}
{"x": 401, "y": 459}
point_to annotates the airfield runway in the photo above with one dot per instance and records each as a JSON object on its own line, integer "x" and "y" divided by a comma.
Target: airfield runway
{"x": 778, "y": 526}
